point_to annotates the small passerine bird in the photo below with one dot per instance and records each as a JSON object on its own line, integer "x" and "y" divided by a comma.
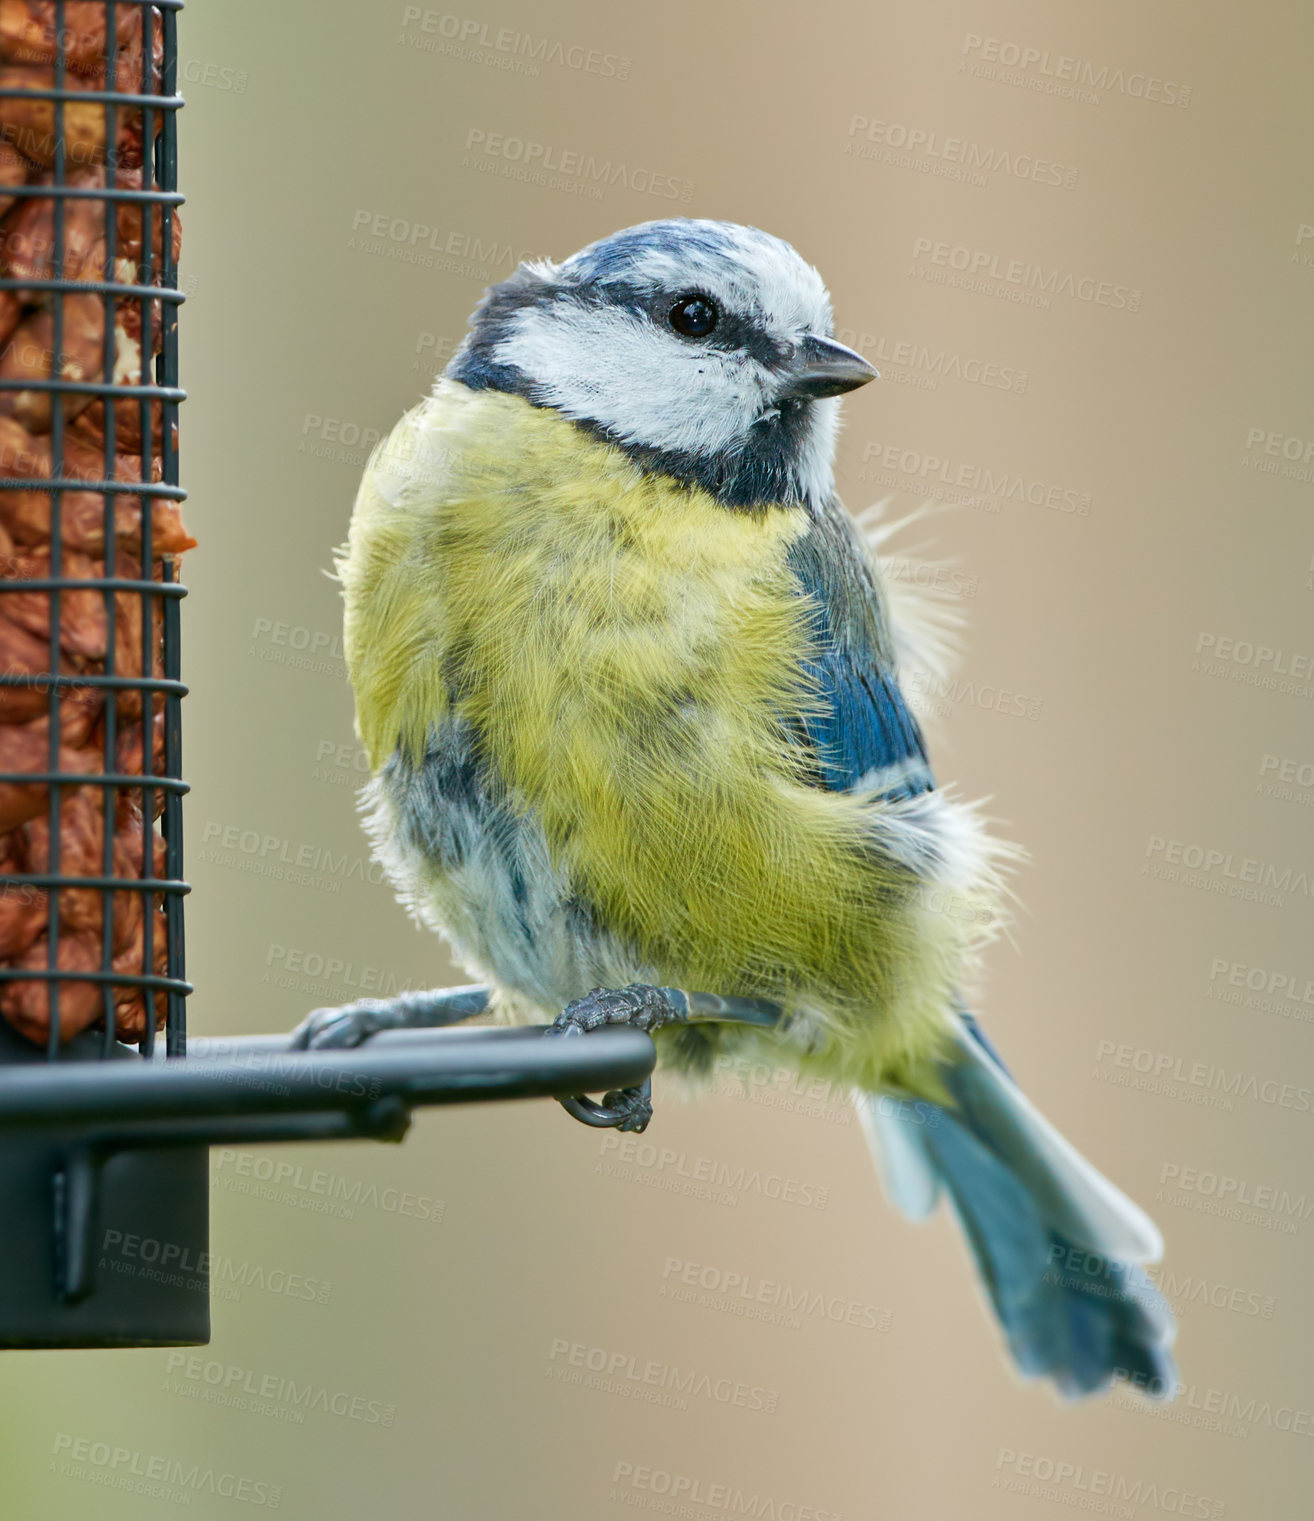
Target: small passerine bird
{"x": 627, "y": 680}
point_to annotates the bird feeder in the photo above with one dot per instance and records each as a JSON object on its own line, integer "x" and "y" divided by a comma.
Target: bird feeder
{"x": 106, "y": 1110}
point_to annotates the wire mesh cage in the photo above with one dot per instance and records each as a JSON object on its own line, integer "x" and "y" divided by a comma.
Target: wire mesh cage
{"x": 92, "y": 853}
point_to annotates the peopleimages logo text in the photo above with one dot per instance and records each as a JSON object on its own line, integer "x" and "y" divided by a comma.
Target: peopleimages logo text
{"x": 1065, "y": 68}
{"x": 1047, "y": 280}
{"x": 531, "y": 159}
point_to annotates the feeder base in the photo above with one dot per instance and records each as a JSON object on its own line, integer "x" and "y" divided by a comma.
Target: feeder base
{"x": 148, "y": 1266}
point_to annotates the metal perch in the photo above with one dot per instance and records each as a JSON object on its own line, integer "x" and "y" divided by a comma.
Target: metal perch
{"x": 637, "y": 1006}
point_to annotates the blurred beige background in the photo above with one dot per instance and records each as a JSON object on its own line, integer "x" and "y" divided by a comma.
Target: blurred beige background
{"x": 1080, "y": 245}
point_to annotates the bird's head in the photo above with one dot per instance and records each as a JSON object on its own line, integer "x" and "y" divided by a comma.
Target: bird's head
{"x": 703, "y": 349}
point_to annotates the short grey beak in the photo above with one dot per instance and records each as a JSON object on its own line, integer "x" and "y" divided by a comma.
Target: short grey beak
{"x": 822, "y": 367}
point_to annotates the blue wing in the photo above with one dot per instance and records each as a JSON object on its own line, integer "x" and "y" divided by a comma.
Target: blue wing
{"x": 865, "y": 733}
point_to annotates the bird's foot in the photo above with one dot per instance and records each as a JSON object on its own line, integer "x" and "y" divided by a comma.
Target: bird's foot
{"x": 638, "y": 1005}
{"x": 353, "y": 1023}
{"x": 341, "y": 1028}
{"x": 642, "y": 1008}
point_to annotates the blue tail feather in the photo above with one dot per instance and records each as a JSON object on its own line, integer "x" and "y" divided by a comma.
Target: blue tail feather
{"x": 1069, "y": 1311}
{"x": 1068, "y": 1314}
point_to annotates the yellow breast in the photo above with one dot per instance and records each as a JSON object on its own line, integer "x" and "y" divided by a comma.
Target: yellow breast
{"x": 499, "y": 552}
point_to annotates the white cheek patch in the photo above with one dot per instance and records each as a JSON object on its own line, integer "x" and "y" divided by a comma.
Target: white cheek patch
{"x": 613, "y": 367}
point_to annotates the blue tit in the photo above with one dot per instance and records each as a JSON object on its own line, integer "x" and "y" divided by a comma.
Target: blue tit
{"x": 625, "y": 674}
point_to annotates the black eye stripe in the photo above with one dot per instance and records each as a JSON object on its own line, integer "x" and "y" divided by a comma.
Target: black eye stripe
{"x": 694, "y": 315}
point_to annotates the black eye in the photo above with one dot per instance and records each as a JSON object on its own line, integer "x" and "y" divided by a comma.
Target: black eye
{"x": 694, "y": 316}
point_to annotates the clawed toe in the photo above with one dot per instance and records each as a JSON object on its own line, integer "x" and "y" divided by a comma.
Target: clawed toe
{"x": 633, "y": 1105}
{"x": 621, "y": 1109}
{"x": 335, "y": 1029}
